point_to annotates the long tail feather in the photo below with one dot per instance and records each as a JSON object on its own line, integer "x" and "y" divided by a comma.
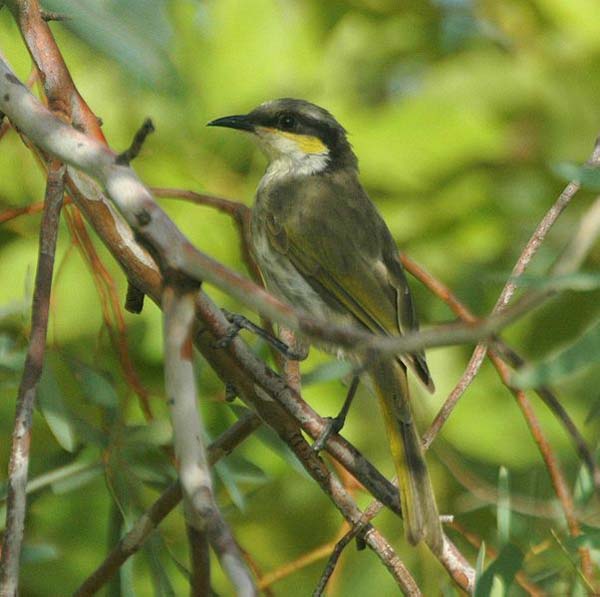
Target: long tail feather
{"x": 419, "y": 509}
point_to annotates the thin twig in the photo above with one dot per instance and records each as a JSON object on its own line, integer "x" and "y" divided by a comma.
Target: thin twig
{"x": 125, "y": 158}
{"x": 58, "y": 85}
{"x": 15, "y": 212}
{"x": 553, "y": 403}
{"x": 19, "y": 455}
{"x": 368, "y": 515}
{"x": 48, "y": 16}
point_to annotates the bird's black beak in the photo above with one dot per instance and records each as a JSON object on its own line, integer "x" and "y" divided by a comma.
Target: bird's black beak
{"x": 242, "y": 123}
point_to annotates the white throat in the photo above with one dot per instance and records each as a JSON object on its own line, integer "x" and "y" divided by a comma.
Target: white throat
{"x": 286, "y": 158}
{"x": 285, "y": 165}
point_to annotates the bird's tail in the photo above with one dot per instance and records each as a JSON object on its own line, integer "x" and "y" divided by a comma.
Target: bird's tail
{"x": 419, "y": 509}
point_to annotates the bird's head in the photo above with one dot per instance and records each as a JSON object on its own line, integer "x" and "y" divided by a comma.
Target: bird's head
{"x": 307, "y": 138}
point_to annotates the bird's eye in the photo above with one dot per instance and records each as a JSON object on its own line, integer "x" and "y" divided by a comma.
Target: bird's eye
{"x": 287, "y": 122}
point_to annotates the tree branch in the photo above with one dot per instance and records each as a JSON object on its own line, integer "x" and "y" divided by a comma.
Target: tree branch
{"x": 188, "y": 434}
{"x": 19, "y": 455}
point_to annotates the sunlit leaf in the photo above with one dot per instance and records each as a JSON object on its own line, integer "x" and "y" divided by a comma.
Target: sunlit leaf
{"x": 479, "y": 564}
{"x": 582, "y": 353}
{"x": 584, "y": 486}
{"x": 503, "y": 510}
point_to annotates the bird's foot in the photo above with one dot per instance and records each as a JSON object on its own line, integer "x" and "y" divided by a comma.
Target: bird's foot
{"x": 239, "y": 322}
{"x": 332, "y": 425}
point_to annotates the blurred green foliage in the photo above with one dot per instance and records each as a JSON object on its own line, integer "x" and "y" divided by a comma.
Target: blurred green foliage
{"x": 461, "y": 113}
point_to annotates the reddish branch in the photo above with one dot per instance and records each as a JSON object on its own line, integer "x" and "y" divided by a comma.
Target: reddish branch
{"x": 19, "y": 455}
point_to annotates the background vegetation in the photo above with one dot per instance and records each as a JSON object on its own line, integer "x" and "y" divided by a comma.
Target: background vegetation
{"x": 461, "y": 114}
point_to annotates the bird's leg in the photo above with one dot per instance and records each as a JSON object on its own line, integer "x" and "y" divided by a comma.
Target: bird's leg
{"x": 335, "y": 424}
{"x": 239, "y": 322}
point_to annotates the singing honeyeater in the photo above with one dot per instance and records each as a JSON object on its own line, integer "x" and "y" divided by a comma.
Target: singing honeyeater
{"x": 322, "y": 246}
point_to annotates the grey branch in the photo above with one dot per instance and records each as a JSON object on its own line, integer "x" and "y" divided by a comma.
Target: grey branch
{"x": 19, "y": 455}
{"x": 194, "y": 470}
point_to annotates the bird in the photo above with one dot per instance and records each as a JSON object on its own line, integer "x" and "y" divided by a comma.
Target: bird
{"x": 321, "y": 245}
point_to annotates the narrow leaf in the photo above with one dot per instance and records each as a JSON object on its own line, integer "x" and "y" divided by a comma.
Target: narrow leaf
{"x": 51, "y": 404}
{"x": 583, "y": 353}
{"x": 503, "y": 513}
{"x": 505, "y": 566}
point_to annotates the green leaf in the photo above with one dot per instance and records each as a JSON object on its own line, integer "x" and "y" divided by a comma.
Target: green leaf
{"x": 136, "y": 34}
{"x": 77, "y": 480}
{"x": 503, "y": 509}
{"x": 584, "y": 486}
{"x": 583, "y": 353}
{"x": 51, "y": 404}
{"x": 590, "y": 537}
{"x": 83, "y": 464}
{"x": 228, "y": 479}
{"x": 12, "y": 358}
{"x": 37, "y": 554}
{"x": 479, "y": 564}
{"x": 156, "y": 433}
{"x": 505, "y": 566}
{"x": 594, "y": 410}
{"x": 578, "y": 281}
{"x": 328, "y": 372}
{"x": 153, "y": 548}
{"x": 96, "y": 387}
{"x": 236, "y": 470}
{"x": 587, "y": 175}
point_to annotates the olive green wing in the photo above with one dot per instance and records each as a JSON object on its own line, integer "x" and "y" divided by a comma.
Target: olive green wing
{"x": 357, "y": 273}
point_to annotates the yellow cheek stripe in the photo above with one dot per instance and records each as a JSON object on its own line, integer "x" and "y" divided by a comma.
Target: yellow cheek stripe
{"x": 306, "y": 143}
